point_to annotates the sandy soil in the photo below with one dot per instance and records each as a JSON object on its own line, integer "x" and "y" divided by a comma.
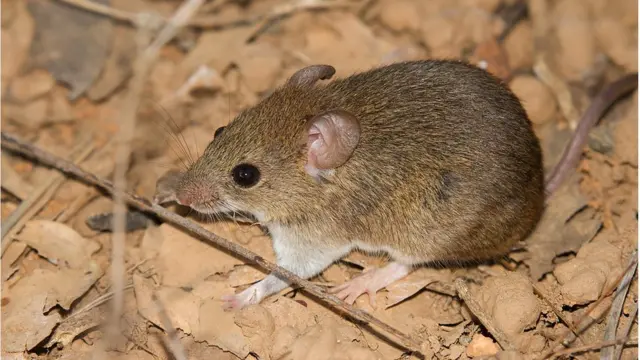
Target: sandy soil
{"x": 69, "y": 84}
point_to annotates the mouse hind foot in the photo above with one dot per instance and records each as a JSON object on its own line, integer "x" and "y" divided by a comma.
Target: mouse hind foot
{"x": 371, "y": 282}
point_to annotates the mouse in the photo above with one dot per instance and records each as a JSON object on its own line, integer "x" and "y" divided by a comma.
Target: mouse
{"x": 427, "y": 161}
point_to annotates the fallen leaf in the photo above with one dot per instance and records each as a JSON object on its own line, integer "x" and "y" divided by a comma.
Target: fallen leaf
{"x": 244, "y": 275}
{"x": 196, "y": 310}
{"x": 71, "y": 43}
{"x": 67, "y": 285}
{"x": 13, "y": 182}
{"x": 70, "y": 328}
{"x": 201, "y": 350}
{"x": 28, "y": 87}
{"x": 59, "y": 243}
{"x": 13, "y": 252}
{"x": 59, "y": 108}
{"x": 217, "y": 49}
{"x": 16, "y": 40}
{"x": 217, "y": 327}
{"x": 118, "y": 65}
{"x": 360, "y": 48}
{"x": 31, "y": 115}
{"x": 181, "y": 305}
{"x": 24, "y": 324}
{"x": 452, "y": 334}
{"x": 183, "y": 260}
{"x": 557, "y": 232}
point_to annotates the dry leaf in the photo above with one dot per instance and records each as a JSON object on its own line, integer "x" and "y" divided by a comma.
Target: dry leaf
{"x": 244, "y": 275}
{"x": 359, "y": 48}
{"x": 67, "y": 285}
{"x": 117, "y": 67}
{"x": 183, "y": 260}
{"x": 217, "y": 49}
{"x": 16, "y": 40}
{"x": 556, "y": 234}
{"x": 217, "y": 327}
{"x": 59, "y": 243}
{"x": 10, "y": 256}
{"x": 70, "y": 328}
{"x": 70, "y": 42}
{"x": 24, "y": 324}
{"x": 35, "y": 84}
{"x": 13, "y": 182}
{"x": 195, "y": 310}
{"x": 31, "y": 115}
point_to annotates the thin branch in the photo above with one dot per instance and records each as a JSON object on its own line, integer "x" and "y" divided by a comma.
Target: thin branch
{"x": 29, "y": 207}
{"x": 141, "y": 70}
{"x": 558, "y": 312}
{"x": 614, "y": 313}
{"x": 602, "y": 345}
{"x": 209, "y": 21}
{"x": 12, "y": 143}
{"x": 173, "y": 343}
{"x": 108, "y": 11}
{"x": 626, "y": 330}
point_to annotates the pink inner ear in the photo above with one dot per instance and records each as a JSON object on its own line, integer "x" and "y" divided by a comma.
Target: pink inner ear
{"x": 315, "y": 142}
{"x": 331, "y": 140}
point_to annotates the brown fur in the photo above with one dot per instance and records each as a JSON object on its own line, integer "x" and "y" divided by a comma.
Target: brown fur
{"x": 447, "y": 167}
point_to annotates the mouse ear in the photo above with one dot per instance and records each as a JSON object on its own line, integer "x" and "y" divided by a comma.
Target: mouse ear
{"x": 331, "y": 138}
{"x": 310, "y": 75}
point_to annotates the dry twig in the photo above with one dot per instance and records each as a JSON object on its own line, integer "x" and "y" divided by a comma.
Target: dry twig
{"x": 211, "y": 21}
{"x": 626, "y": 330}
{"x": 39, "y": 198}
{"x": 586, "y": 320}
{"x": 174, "y": 343}
{"x": 615, "y": 311}
{"x": 141, "y": 69}
{"x": 592, "y": 347}
{"x": 10, "y": 142}
{"x": 556, "y": 311}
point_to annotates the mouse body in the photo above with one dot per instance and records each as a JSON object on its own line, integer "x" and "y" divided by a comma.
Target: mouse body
{"x": 430, "y": 161}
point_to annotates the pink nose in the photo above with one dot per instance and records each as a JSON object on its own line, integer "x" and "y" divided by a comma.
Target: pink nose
{"x": 184, "y": 199}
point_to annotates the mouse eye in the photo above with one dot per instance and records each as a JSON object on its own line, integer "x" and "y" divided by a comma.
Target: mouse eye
{"x": 218, "y": 132}
{"x": 246, "y": 175}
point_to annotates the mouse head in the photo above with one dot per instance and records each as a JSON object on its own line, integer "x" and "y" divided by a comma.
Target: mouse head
{"x": 272, "y": 158}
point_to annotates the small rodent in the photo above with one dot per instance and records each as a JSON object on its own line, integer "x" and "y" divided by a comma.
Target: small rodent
{"x": 431, "y": 161}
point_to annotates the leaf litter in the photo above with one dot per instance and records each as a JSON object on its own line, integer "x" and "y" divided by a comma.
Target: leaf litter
{"x": 54, "y": 292}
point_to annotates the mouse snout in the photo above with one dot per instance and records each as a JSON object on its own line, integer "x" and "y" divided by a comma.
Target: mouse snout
{"x": 191, "y": 195}
{"x": 184, "y": 199}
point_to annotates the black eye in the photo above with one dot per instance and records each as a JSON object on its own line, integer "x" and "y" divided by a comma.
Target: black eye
{"x": 246, "y": 175}
{"x": 218, "y": 132}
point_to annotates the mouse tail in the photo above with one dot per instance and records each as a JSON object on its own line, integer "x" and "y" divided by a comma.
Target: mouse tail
{"x": 601, "y": 103}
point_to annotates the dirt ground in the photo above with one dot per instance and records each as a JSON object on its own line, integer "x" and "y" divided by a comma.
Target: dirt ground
{"x": 72, "y": 78}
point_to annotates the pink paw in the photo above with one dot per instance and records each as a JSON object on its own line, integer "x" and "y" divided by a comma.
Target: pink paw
{"x": 241, "y": 300}
{"x": 352, "y": 289}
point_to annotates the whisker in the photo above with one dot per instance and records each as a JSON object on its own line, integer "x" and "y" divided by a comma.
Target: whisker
{"x": 172, "y": 133}
{"x": 176, "y": 134}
